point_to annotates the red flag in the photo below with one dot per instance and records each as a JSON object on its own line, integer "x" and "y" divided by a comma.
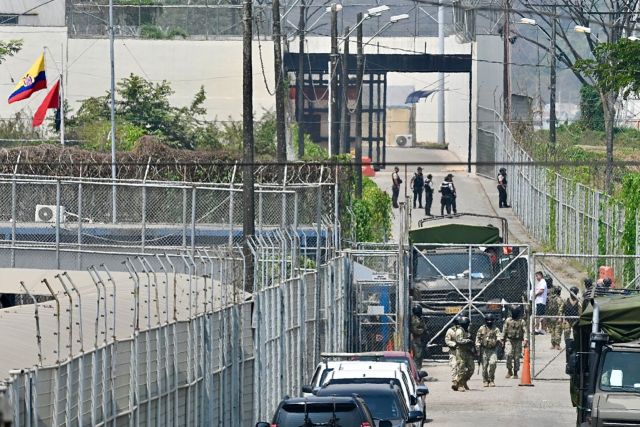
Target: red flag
{"x": 52, "y": 100}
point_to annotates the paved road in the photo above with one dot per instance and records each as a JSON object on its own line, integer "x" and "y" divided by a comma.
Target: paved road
{"x": 548, "y": 402}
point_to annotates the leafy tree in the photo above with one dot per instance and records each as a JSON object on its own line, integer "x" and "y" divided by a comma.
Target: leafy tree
{"x": 145, "y": 105}
{"x": 608, "y": 21}
{"x": 591, "y": 113}
{"x": 9, "y": 48}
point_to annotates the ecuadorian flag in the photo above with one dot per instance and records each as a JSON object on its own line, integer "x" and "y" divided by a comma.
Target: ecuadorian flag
{"x": 33, "y": 81}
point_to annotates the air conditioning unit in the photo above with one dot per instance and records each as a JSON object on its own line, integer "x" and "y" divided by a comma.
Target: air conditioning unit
{"x": 404, "y": 140}
{"x": 47, "y": 213}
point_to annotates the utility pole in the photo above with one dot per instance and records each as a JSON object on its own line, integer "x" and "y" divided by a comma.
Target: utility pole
{"x": 359, "y": 78}
{"x": 113, "y": 113}
{"x": 300, "y": 81}
{"x": 344, "y": 108}
{"x": 506, "y": 59}
{"x": 248, "y": 224}
{"x": 281, "y": 143}
{"x": 552, "y": 88}
{"x": 334, "y": 141}
{"x": 441, "y": 114}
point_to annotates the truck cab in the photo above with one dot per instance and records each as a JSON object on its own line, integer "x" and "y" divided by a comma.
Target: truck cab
{"x": 604, "y": 362}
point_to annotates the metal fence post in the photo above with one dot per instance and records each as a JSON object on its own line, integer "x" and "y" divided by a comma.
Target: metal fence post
{"x": 184, "y": 217}
{"x": 143, "y": 225}
{"x": 193, "y": 218}
{"x": 14, "y": 219}
{"x": 58, "y": 214}
{"x": 80, "y": 221}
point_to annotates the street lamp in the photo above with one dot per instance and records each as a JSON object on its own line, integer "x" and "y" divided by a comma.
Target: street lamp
{"x": 582, "y": 29}
{"x": 552, "y": 78}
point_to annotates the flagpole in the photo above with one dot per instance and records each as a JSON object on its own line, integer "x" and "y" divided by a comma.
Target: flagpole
{"x": 61, "y": 106}
{"x": 62, "y": 88}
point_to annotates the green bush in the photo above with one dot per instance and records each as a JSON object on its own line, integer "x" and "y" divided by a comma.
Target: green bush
{"x": 149, "y": 31}
{"x": 372, "y": 213}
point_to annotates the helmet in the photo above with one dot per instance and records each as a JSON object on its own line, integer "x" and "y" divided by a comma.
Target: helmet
{"x": 489, "y": 319}
{"x": 417, "y": 310}
{"x": 516, "y": 312}
{"x": 464, "y": 322}
{"x": 588, "y": 283}
{"x": 549, "y": 280}
{"x": 557, "y": 290}
{"x": 574, "y": 291}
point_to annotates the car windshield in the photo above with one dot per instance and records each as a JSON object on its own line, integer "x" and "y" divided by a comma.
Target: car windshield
{"x": 452, "y": 264}
{"x": 621, "y": 372}
{"x": 319, "y": 414}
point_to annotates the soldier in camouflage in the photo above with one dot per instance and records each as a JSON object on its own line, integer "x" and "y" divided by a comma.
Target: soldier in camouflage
{"x": 449, "y": 340}
{"x": 464, "y": 354}
{"x": 487, "y": 341}
{"x": 555, "y": 307}
{"x": 417, "y": 330}
{"x": 514, "y": 334}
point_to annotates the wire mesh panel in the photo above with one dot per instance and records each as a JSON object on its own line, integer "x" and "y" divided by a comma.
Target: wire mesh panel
{"x": 466, "y": 280}
{"x": 565, "y": 285}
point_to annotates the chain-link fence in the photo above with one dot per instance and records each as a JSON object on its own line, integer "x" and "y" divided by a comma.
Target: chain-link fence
{"x": 171, "y": 339}
{"x": 451, "y": 280}
{"x": 147, "y": 215}
{"x": 556, "y": 210}
{"x": 210, "y": 20}
{"x": 379, "y": 298}
{"x": 554, "y": 315}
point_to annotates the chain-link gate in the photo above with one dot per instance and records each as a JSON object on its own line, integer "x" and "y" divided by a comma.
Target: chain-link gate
{"x": 379, "y": 299}
{"x": 451, "y": 280}
{"x": 554, "y": 316}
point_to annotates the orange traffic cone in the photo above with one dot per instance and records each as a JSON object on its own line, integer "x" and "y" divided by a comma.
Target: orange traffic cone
{"x": 526, "y": 369}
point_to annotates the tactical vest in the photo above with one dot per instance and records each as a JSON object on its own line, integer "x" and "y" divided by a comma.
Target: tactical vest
{"x": 513, "y": 329}
{"x": 490, "y": 339}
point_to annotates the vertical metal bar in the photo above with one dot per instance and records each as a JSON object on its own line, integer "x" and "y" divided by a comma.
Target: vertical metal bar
{"x": 80, "y": 221}
{"x": 231, "y": 204}
{"x": 58, "y": 214}
{"x": 193, "y": 218}
{"x": 184, "y": 217}
{"x": 317, "y": 277}
{"x": 143, "y": 234}
{"x": 14, "y": 219}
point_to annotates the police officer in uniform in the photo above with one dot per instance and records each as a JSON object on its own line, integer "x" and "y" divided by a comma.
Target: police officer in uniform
{"x": 514, "y": 334}
{"x": 464, "y": 354}
{"x": 487, "y": 341}
{"x": 450, "y": 341}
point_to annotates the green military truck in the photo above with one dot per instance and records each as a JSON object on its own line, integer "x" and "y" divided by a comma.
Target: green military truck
{"x": 463, "y": 264}
{"x": 603, "y": 360}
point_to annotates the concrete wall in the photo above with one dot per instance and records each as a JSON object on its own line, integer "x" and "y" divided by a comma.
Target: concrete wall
{"x": 217, "y": 65}
{"x": 398, "y": 123}
{"x": 186, "y": 64}
{"x": 39, "y": 14}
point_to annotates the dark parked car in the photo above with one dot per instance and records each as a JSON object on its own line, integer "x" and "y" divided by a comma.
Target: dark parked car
{"x": 385, "y": 401}
{"x": 338, "y": 411}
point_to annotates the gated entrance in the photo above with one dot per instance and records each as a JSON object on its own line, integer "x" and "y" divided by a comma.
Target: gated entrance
{"x": 379, "y": 299}
{"x": 450, "y": 280}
